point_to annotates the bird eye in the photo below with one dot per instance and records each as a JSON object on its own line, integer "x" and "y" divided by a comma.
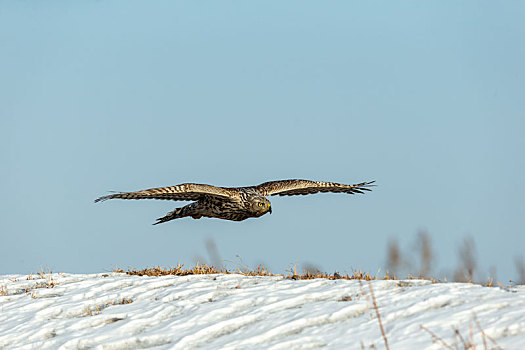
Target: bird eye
{"x": 260, "y": 204}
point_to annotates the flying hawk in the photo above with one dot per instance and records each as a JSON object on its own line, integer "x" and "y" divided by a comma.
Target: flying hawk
{"x": 233, "y": 203}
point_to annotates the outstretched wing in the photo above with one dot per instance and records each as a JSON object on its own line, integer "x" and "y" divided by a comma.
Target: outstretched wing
{"x": 302, "y": 187}
{"x": 182, "y": 192}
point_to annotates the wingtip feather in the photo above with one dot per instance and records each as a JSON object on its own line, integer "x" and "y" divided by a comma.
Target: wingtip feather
{"x": 102, "y": 199}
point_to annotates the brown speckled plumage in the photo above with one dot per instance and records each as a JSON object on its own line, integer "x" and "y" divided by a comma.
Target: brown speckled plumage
{"x": 233, "y": 203}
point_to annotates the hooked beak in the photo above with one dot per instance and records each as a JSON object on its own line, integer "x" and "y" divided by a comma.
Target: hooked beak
{"x": 270, "y": 208}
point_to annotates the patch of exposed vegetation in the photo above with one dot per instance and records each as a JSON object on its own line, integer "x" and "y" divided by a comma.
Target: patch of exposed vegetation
{"x": 204, "y": 269}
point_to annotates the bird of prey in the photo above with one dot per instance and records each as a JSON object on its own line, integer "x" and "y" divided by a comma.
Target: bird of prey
{"x": 233, "y": 203}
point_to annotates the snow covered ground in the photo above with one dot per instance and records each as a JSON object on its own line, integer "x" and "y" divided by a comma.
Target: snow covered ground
{"x": 116, "y": 311}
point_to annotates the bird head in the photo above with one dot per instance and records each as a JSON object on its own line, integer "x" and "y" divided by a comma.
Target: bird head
{"x": 261, "y": 206}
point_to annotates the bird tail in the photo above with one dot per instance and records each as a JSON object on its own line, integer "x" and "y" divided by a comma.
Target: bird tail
{"x": 172, "y": 215}
{"x": 187, "y": 210}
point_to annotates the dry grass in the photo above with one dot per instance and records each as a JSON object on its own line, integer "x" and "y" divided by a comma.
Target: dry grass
{"x": 46, "y": 275}
{"x": 420, "y": 266}
{"x": 93, "y": 310}
{"x": 376, "y": 308}
{"x": 204, "y": 269}
{"x": 174, "y": 271}
{"x": 418, "y": 262}
{"x": 467, "y": 262}
{"x": 467, "y": 343}
{"x": 43, "y": 279}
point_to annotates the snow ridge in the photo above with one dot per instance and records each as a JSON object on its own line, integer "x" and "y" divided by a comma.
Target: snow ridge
{"x": 117, "y": 311}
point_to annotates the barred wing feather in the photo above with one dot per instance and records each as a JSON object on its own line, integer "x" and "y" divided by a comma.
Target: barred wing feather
{"x": 303, "y": 187}
{"x": 182, "y": 192}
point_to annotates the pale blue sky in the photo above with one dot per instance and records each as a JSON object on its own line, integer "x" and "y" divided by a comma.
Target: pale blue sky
{"x": 426, "y": 98}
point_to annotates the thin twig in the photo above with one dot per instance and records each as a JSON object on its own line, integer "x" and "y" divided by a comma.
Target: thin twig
{"x": 486, "y": 335}
{"x": 436, "y": 338}
{"x": 494, "y": 342}
{"x": 471, "y": 335}
{"x": 378, "y": 316}
{"x": 465, "y": 345}
{"x": 481, "y": 330}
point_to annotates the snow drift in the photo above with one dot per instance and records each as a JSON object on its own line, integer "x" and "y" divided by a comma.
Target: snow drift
{"x": 117, "y": 311}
